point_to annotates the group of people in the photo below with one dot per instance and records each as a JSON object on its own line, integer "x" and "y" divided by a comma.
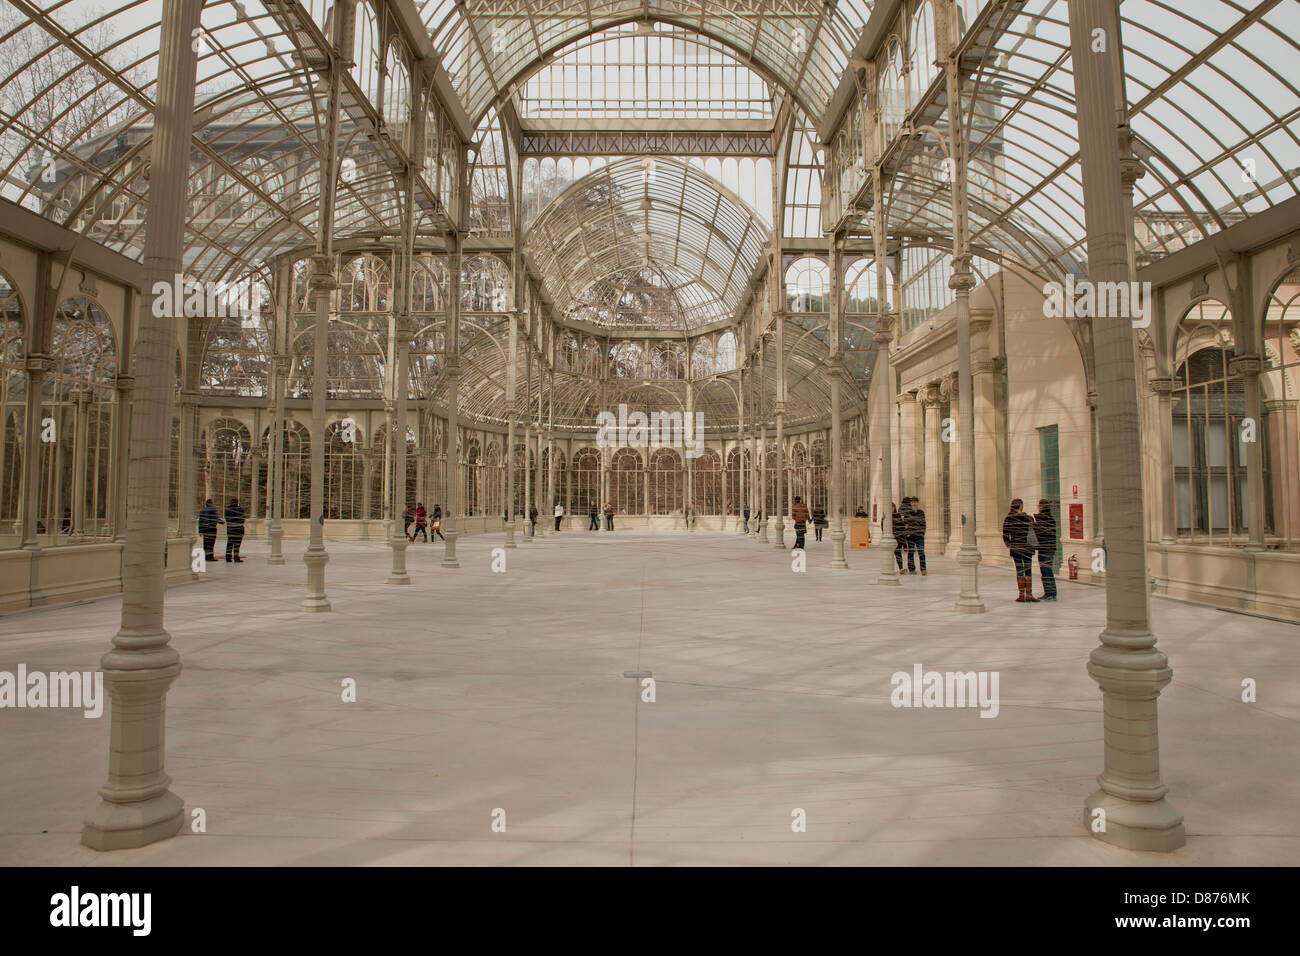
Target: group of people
{"x": 909, "y": 534}
{"x": 424, "y": 522}
{"x": 209, "y": 518}
{"x": 818, "y": 516}
{"x": 1023, "y": 534}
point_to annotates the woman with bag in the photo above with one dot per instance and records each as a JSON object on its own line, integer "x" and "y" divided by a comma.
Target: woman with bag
{"x": 1019, "y": 537}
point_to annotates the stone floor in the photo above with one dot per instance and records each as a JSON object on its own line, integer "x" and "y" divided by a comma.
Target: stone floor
{"x": 481, "y": 690}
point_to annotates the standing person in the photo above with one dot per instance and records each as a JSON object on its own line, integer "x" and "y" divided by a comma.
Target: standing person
{"x": 234, "y": 530}
{"x": 559, "y": 513}
{"x": 208, "y": 521}
{"x": 860, "y": 513}
{"x": 593, "y": 515}
{"x": 799, "y": 512}
{"x": 746, "y": 514}
{"x": 421, "y": 522}
{"x": 819, "y": 521}
{"x": 916, "y": 536}
{"x": 408, "y": 519}
{"x": 903, "y": 534}
{"x": 1045, "y": 531}
{"x": 1017, "y": 533}
{"x": 435, "y": 523}
{"x": 532, "y": 520}
{"x": 609, "y": 516}
{"x": 899, "y": 531}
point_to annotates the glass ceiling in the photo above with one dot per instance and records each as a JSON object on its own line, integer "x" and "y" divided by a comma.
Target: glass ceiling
{"x": 487, "y": 45}
{"x": 651, "y": 218}
{"x": 1214, "y": 107}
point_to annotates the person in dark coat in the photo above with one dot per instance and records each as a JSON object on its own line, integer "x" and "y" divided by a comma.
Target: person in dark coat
{"x": 915, "y": 536}
{"x": 593, "y": 517}
{"x": 209, "y": 518}
{"x": 1016, "y": 530}
{"x": 435, "y": 523}
{"x": 745, "y": 513}
{"x": 234, "y": 531}
{"x": 903, "y": 535}
{"x": 896, "y": 528}
{"x": 609, "y": 516}
{"x": 408, "y": 519}
{"x": 532, "y": 519}
{"x": 819, "y": 521}
{"x": 1045, "y": 530}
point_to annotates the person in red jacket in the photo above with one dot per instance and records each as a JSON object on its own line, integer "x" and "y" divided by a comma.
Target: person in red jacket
{"x": 421, "y": 523}
{"x": 799, "y": 512}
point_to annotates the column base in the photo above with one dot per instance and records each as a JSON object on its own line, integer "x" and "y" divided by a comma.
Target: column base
{"x": 889, "y": 579}
{"x": 510, "y": 536}
{"x": 1154, "y": 826}
{"x": 125, "y": 826}
{"x": 449, "y": 551}
{"x": 837, "y": 552}
{"x": 315, "y": 601}
{"x": 276, "y": 536}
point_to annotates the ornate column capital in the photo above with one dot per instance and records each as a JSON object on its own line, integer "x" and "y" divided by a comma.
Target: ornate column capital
{"x": 948, "y": 386}
{"x": 929, "y": 395}
{"x": 281, "y": 364}
{"x": 962, "y": 278}
{"x": 322, "y": 277}
{"x": 124, "y": 383}
{"x": 38, "y": 362}
{"x": 1245, "y": 365}
{"x": 1162, "y": 386}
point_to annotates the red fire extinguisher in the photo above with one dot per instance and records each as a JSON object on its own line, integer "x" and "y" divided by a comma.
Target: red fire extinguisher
{"x": 1074, "y": 567}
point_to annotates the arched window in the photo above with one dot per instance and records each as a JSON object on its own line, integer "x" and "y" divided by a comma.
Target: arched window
{"x": 1208, "y": 404}
{"x": 668, "y": 361}
{"x": 860, "y": 289}
{"x": 397, "y": 96}
{"x": 726, "y": 360}
{"x": 493, "y": 481}
{"x": 1280, "y": 384}
{"x": 702, "y": 359}
{"x": 890, "y": 95}
{"x": 665, "y": 482}
{"x": 797, "y": 472}
{"x": 734, "y": 503}
{"x": 345, "y": 471}
{"x": 296, "y": 477}
{"x": 625, "y": 480}
{"x": 365, "y": 52}
{"x": 625, "y": 360}
{"x": 471, "y": 500}
{"x": 384, "y": 458}
{"x": 770, "y": 507}
{"x": 13, "y": 401}
{"x": 818, "y": 475}
{"x": 484, "y": 284}
{"x": 524, "y": 478}
{"x": 586, "y": 478}
{"x": 924, "y": 52}
{"x": 81, "y": 398}
{"x": 706, "y": 475}
{"x": 227, "y": 463}
{"x": 807, "y": 281}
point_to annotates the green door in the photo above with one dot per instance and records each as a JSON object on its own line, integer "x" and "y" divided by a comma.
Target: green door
{"x": 1049, "y": 455}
